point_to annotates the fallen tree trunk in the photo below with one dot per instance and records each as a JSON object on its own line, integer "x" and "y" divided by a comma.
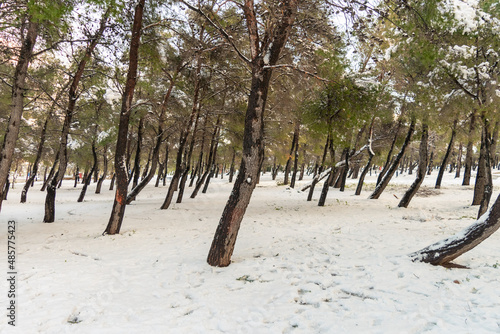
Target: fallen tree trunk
{"x": 444, "y": 251}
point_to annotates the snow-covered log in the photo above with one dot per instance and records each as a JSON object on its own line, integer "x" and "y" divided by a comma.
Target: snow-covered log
{"x": 447, "y": 250}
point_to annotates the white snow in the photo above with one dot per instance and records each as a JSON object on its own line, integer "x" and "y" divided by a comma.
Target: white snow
{"x": 297, "y": 267}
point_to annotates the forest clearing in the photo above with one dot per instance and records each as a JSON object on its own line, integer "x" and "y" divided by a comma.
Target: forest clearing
{"x": 297, "y": 267}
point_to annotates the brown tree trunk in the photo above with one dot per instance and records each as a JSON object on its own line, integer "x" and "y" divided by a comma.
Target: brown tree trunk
{"x": 154, "y": 163}
{"x": 481, "y": 175}
{"x": 446, "y": 156}
{"x": 231, "y": 169}
{"x": 210, "y": 161}
{"x": 488, "y": 182}
{"x": 389, "y": 155}
{"x": 89, "y": 177}
{"x": 112, "y": 183}
{"x": 447, "y": 250}
{"x": 422, "y": 168}
{"x": 104, "y": 172}
{"x": 137, "y": 159}
{"x": 118, "y": 211}
{"x": 390, "y": 172}
{"x": 224, "y": 240}
{"x": 17, "y": 107}
{"x": 468, "y": 154}
{"x": 295, "y": 152}
{"x": 459, "y": 161}
{"x": 73, "y": 97}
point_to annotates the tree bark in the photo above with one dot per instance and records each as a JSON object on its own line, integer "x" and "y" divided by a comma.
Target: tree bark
{"x": 224, "y": 240}
{"x": 231, "y": 169}
{"x": 104, "y": 172}
{"x": 137, "y": 159}
{"x": 390, "y": 172}
{"x": 421, "y": 171}
{"x": 17, "y": 107}
{"x": 154, "y": 163}
{"x": 389, "y": 155}
{"x": 210, "y": 161}
{"x": 459, "y": 160}
{"x": 118, "y": 211}
{"x": 447, "y": 250}
{"x": 446, "y": 156}
{"x": 481, "y": 175}
{"x": 73, "y": 97}
{"x": 89, "y": 177}
{"x": 468, "y": 154}
{"x": 296, "y": 133}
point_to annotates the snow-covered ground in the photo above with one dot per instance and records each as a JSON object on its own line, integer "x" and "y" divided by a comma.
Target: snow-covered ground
{"x": 297, "y": 267}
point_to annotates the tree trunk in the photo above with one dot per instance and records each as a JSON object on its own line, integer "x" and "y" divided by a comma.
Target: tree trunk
{"x": 104, "y": 172}
{"x": 17, "y": 107}
{"x": 447, "y": 250}
{"x": 34, "y": 171}
{"x": 468, "y": 154}
{"x": 73, "y": 97}
{"x": 390, "y": 172}
{"x": 389, "y": 155}
{"x": 137, "y": 159}
{"x": 344, "y": 172}
{"x": 224, "y": 240}
{"x": 112, "y": 183}
{"x": 481, "y": 176}
{"x": 459, "y": 160}
{"x": 77, "y": 176}
{"x": 231, "y": 169}
{"x": 89, "y": 177}
{"x": 422, "y": 169}
{"x": 431, "y": 161}
{"x": 210, "y": 161}
{"x": 446, "y": 156}
{"x": 207, "y": 182}
{"x": 488, "y": 182}
{"x": 369, "y": 162}
{"x": 118, "y": 211}
{"x": 154, "y": 163}
{"x": 324, "y": 190}
{"x": 296, "y": 133}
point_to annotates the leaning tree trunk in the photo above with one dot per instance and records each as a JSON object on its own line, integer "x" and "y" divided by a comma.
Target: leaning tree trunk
{"x": 389, "y": 155}
{"x": 154, "y": 163}
{"x": 210, "y": 161}
{"x": 444, "y": 251}
{"x": 326, "y": 186}
{"x": 421, "y": 171}
{"x": 89, "y": 177}
{"x": 446, "y": 156}
{"x": 263, "y": 58}
{"x": 371, "y": 154}
{"x": 34, "y": 171}
{"x": 468, "y": 154}
{"x": 73, "y": 97}
{"x": 207, "y": 181}
{"x": 17, "y": 107}
{"x": 104, "y": 172}
{"x": 118, "y": 211}
{"x": 390, "y": 172}
{"x": 137, "y": 159}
